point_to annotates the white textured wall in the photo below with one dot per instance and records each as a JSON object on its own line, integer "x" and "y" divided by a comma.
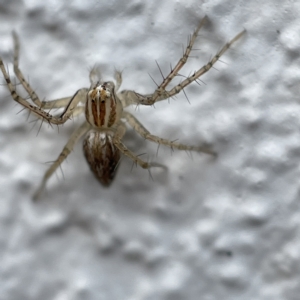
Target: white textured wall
{"x": 208, "y": 229}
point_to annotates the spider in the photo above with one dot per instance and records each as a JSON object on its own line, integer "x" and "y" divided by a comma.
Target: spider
{"x": 105, "y": 117}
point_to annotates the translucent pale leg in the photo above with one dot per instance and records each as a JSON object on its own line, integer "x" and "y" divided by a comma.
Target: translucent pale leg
{"x": 139, "y": 128}
{"x": 129, "y": 97}
{"x": 76, "y": 135}
{"x": 63, "y": 102}
{"x": 117, "y": 141}
{"x": 33, "y": 96}
{"x": 67, "y": 113}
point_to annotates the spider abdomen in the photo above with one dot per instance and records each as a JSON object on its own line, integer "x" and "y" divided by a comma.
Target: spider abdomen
{"x": 102, "y": 155}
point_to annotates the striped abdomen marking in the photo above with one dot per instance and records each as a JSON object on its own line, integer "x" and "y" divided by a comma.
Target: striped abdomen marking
{"x": 102, "y": 156}
{"x": 103, "y": 108}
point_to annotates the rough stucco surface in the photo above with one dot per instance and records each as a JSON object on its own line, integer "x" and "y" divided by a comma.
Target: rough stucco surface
{"x": 206, "y": 229}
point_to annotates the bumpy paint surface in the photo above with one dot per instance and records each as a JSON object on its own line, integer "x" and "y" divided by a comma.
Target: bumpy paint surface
{"x": 207, "y": 229}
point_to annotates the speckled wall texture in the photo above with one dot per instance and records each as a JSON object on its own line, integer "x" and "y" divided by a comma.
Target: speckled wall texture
{"x": 224, "y": 228}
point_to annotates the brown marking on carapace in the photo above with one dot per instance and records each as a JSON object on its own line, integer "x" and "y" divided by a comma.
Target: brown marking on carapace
{"x": 93, "y": 94}
{"x": 95, "y": 113}
{"x": 112, "y": 115}
{"x": 102, "y": 112}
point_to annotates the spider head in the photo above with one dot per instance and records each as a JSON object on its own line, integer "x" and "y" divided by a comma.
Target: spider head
{"x": 101, "y": 92}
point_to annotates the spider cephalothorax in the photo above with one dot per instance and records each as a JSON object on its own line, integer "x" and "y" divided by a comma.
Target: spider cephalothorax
{"x": 103, "y": 108}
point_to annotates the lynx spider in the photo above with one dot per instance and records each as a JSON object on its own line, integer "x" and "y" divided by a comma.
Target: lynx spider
{"x": 103, "y": 108}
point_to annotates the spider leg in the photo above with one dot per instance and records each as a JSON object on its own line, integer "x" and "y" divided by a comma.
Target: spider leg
{"x": 76, "y": 135}
{"x": 66, "y": 114}
{"x": 18, "y": 98}
{"x": 140, "y": 129}
{"x": 63, "y": 102}
{"x": 57, "y": 103}
{"x": 183, "y": 59}
{"x": 33, "y": 96}
{"x": 132, "y": 97}
{"x": 78, "y": 111}
{"x": 121, "y": 129}
{"x": 118, "y": 78}
{"x": 129, "y": 97}
{"x": 201, "y": 71}
{"x": 70, "y": 103}
{"x": 95, "y": 75}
